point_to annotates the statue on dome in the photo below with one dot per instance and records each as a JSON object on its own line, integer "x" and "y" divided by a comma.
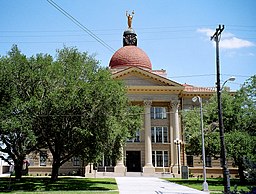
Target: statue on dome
{"x": 129, "y": 17}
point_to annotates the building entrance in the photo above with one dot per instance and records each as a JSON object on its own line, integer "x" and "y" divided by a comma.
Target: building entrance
{"x": 133, "y": 163}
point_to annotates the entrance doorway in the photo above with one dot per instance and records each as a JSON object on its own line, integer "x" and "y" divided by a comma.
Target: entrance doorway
{"x": 133, "y": 163}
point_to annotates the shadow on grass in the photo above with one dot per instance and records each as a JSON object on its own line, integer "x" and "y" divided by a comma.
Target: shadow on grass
{"x": 67, "y": 184}
{"x": 210, "y": 181}
{"x": 215, "y": 184}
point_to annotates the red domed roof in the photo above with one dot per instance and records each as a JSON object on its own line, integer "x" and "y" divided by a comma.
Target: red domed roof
{"x": 130, "y": 56}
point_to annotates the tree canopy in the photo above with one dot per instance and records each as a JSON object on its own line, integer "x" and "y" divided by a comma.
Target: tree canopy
{"x": 73, "y": 106}
{"x": 18, "y": 78}
{"x": 239, "y": 114}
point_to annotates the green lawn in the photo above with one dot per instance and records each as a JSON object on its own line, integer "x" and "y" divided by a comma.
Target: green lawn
{"x": 63, "y": 185}
{"x": 214, "y": 185}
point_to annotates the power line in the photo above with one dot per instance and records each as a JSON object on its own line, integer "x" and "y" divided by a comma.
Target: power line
{"x": 75, "y": 21}
{"x": 83, "y": 27}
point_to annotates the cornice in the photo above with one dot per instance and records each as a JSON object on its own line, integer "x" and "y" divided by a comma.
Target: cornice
{"x": 155, "y": 89}
{"x": 145, "y": 73}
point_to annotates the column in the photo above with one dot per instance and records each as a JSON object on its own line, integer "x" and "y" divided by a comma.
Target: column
{"x": 175, "y": 109}
{"x": 171, "y": 137}
{"x": 148, "y": 169}
{"x": 120, "y": 169}
{"x": 176, "y": 138}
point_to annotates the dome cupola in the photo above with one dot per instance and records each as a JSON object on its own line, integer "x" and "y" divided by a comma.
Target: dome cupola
{"x": 130, "y": 55}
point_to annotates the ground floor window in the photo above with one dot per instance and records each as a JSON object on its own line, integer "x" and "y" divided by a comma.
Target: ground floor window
{"x": 106, "y": 164}
{"x": 43, "y": 158}
{"x": 208, "y": 161}
{"x": 190, "y": 161}
{"x": 76, "y": 161}
{"x": 106, "y": 161}
{"x": 160, "y": 158}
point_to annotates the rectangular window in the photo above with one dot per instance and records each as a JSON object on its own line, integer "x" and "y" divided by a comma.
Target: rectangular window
{"x": 159, "y": 134}
{"x": 160, "y": 158}
{"x": 158, "y": 113}
{"x": 76, "y": 161}
{"x": 153, "y": 158}
{"x": 153, "y": 134}
{"x": 106, "y": 161}
{"x": 43, "y": 158}
{"x": 165, "y": 134}
{"x": 166, "y": 159}
{"x": 136, "y": 137}
{"x": 190, "y": 161}
{"x": 208, "y": 161}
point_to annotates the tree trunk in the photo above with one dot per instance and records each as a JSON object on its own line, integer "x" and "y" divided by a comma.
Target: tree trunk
{"x": 18, "y": 168}
{"x": 241, "y": 172}
{"x": 55, "y": 169}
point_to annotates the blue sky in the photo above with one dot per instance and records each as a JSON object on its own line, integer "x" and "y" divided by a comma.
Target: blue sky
{"x": 174, "y": 33}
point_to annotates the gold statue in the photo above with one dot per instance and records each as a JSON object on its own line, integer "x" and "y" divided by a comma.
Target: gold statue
{"x": 129, "y": 17}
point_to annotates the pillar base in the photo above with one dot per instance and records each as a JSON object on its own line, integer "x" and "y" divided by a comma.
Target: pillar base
{"x": 120, "y": 170}
{"x": 89, "y": 168}
{"x": 176, "y": 170}
{"x": 148, "y": 170}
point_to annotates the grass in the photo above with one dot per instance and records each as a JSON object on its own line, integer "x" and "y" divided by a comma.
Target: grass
{"x": 30, "y": 185}
{"x": 63, "y": 185}
{"x": 214, "y": 185}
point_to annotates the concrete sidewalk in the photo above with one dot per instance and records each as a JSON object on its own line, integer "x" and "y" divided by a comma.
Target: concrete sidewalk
{"x": 151, "y": 185}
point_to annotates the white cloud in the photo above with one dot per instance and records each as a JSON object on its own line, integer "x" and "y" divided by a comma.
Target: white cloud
{"x": 207, "y": 31}
{"x": 228, "y": 40}
{"x": 233, "y": 43}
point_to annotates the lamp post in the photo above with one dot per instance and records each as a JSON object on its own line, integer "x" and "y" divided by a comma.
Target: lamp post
{"x": 194, "y": 99}
{"x": 224, "y": 164}
{"x": 178, "y": 142}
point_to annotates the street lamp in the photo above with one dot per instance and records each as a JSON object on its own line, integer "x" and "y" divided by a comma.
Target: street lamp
{"x": 222, "y": 140}
{"x": 232, "y": 78}
{"x": 178, "y": 142}
{"x": 194, "y": 99}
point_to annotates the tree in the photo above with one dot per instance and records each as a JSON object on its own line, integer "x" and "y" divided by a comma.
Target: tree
{"x": 193, "y": 136}
{"x": 246, "y": 106}
{"x": 69, "y": 105}
{"x": 239, "y": 147}
{"x": 18, "y": 78}
{"x": 239, "y": 114}
{"x": 246, "y": 123}
{"x": 83, "y": 111}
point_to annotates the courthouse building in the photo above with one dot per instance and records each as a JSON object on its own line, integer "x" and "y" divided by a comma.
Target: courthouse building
{"x": 159, "y": 147}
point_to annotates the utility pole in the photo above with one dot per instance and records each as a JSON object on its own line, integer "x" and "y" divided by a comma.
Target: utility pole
{"x": 216, "y": 37}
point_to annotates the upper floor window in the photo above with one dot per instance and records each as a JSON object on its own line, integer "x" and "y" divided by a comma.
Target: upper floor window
{"x": 136, "y": 137}
{"x": 158, "y": 113}
{"x": 159, "y": 134}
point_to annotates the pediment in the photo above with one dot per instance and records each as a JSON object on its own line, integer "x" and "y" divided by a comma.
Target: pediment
{"x": 135, "y": 76}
